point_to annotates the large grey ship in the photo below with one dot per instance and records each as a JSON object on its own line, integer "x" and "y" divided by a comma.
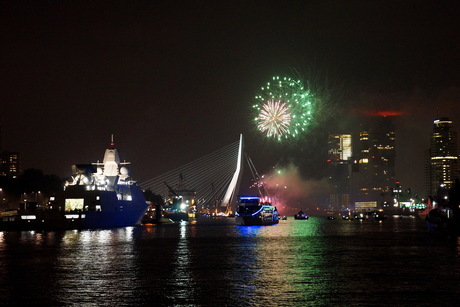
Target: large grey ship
{"x": 97, "y": 195}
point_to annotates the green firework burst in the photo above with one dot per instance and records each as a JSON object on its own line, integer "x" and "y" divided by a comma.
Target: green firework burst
{"x": 284, "y": 108}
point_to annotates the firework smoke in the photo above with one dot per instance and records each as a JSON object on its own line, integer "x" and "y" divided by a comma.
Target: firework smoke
{"x": 291, "y": 193}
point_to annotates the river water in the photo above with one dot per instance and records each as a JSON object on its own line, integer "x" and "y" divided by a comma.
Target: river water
{"x": 212, "y": 262}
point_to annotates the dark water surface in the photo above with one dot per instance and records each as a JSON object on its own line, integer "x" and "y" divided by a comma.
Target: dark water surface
{"x": 317, "y": 262}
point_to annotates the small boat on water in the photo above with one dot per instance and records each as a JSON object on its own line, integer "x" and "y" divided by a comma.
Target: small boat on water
{"x": 255, "y": 210}
{"x": 301, "y": 216}
{"x": 442, "y": 220}
{"x": 97, "y": 195}
{"x": 378, "y": 215}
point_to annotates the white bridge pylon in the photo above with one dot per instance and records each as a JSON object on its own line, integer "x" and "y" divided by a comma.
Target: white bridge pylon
{"x": 215, "y": 178}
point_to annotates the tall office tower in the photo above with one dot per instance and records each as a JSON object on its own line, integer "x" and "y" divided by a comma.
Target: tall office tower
{"x": 10, "y": 164}
{"x": 339, "y": 167}
{"x": 375, "y": 175}
{"x": 442, "y": 160}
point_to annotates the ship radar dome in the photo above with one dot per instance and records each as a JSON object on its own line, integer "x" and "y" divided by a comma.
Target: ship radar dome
{"x": 124, "y": 170}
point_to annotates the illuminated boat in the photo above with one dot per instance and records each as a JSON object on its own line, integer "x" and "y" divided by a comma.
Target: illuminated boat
{"x": 182, "y": 203}
{"x": 254, "y": 210}
{"x": 98, "y": 195}
{"x": 301, "y": 216}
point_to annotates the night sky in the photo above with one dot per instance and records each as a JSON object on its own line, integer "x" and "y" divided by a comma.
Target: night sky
{"x": 174, "y": 81}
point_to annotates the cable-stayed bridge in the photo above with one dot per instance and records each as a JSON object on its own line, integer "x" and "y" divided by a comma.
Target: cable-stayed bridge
{"x": 214, "y": 178}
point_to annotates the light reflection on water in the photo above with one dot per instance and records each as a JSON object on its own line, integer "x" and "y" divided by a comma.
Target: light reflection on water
{"x": 181, "y": 277}
{"x": 287, "y": 269}
{"x": 96, "y": 266}
{"x": 316, "y": 262}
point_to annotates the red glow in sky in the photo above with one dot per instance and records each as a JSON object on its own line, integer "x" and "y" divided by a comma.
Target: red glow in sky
{"x": 380, "y": 113}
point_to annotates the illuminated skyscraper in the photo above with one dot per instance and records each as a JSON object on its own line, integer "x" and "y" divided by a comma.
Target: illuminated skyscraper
{"x": 442, "y": 160}
{"x": 375, "y": 158}
{"x": 10, "y": 164}
{"x": 339, "y": 163}
{"x": 339, "y": 147}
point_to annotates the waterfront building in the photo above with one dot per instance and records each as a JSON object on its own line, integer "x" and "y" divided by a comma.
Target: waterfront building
{"x": 403, "y": 201}
{"x": 10, "y": 165}
{"x": 442, "y": 158}
{"x": 339, "y": 169}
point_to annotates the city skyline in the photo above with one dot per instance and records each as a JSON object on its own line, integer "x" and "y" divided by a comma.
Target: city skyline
{"x": 175, "y": 82}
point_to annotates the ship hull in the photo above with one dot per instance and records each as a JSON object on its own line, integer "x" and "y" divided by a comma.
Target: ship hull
{"x": 24, "y": 221}
{"x": 254, "y": 221}
{"x": 114, "y": 219}
{"x": 177, "y": 216}
{"x": 300, "y": 217}
{"x": 67, "y": 221}
{"x": 112, "y": 213}
{"x": 117, "y": 213}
